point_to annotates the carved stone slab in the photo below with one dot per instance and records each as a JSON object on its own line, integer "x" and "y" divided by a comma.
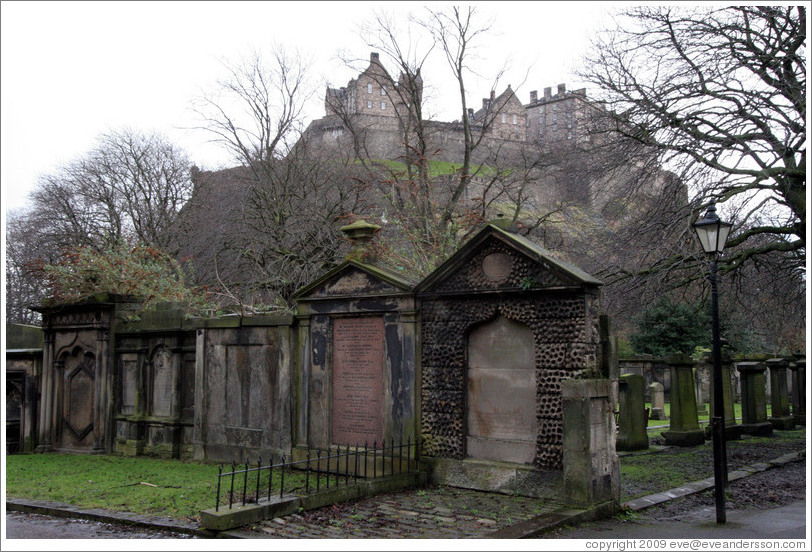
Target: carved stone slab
{"x": 358, "y": 358}
{"x": 502, "y": 392}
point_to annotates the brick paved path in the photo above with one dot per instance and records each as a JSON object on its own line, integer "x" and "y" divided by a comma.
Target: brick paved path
{"x": 432, "y": 512}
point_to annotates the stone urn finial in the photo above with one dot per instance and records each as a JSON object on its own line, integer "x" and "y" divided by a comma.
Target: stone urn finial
{"x": 503, "y": 222}
{"x": 360, "y": 233}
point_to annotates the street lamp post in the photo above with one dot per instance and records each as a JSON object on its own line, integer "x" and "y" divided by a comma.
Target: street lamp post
{"x": 713, "y": 233}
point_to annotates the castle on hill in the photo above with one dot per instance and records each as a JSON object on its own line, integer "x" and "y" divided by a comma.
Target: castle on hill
{"x": 373, "y": 110}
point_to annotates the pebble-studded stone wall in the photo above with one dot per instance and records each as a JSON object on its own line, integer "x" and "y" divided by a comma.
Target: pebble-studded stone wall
{"x": 564, "y": 323}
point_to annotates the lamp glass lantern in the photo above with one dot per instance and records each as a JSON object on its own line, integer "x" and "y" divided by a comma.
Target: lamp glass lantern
{"x": 712, "y": 232}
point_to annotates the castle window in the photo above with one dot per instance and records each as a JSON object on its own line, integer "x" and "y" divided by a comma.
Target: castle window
{"x": 383, "y": 105}
{"x": 555, "y": 107}
{"x": 369, "y": 104}
{"x": 369, "y": 88}
{"x": 383, "y": 90}
{"x": 504, "y": 117}
{"x": 541, "y": 109}
{"x": 569, "y": 135}
{"x": 515, "y": 119}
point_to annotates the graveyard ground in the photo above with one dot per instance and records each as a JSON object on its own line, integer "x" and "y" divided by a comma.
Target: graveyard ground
{"x": 642, "y": 474}
{"x": 649, "y": 472}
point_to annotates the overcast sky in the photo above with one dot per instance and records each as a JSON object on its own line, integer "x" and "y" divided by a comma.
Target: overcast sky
{"x": 73, "y": 70}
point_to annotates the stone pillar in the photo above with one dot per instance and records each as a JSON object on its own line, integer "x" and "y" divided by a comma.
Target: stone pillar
{"x": 201, "y": 399}
{"x": 732, "y": 429}
{"x": 798, "y": 369}
{"x": 657, "y": 401}
{"x": 781, "y": 417}
{"x": 104, "y": 430}
{"x": 632, "y": 419}
{"x": 684, "y": 430}
{"x": 45, "y": 442}
{"x": 590, "y": 464}
{"x": 754, "y": 398}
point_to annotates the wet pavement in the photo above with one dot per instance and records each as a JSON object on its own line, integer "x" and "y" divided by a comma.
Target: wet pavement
{"x": 20, "y": 525}
{"x": 784, "y": 522}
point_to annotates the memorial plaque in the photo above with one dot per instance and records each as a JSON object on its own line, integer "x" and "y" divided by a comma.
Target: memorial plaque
{"x": 129, "y": 364}
{"x": 78, "y": 395}
{"x": 162, "y": 384}
{"x": 357, "y": 381}
{"x": 80, "y": 408}
{"x": 502, "y": 392}
{"x": 497, "y": 266}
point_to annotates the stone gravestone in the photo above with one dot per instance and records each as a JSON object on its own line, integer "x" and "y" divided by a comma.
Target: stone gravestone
{"x": 754, "y": 399}
{"x": 357, "y": 416}
{"x": 657, "y": 401}
{"x": 632, "y": 419}
{"x": 701, "y": 373}
{"x": 798, "y": 369}
{"x": 684, "y": 430}
{"x": 502, "y": 392}
{"x": 780, "y": 417}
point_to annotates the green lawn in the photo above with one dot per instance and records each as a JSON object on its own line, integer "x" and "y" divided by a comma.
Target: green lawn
{"x": 655, "y": 426}
{"x": 141, "y": 485}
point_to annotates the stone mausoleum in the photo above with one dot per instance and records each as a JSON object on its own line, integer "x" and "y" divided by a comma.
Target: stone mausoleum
{"x": 495, "y": 364}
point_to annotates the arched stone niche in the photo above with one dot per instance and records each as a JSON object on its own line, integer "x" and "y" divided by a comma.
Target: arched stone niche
{"x": 78, "y": 399}
{"x": 501, "y": 392}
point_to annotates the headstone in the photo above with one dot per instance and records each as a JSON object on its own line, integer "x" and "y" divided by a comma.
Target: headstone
{"x": 502, "y": 392}
{"x": 657, "y": 401}
{"x": 684, "y": 430}
{"x": 754, "y": 399}
{"x": 358, "y": 358}
{"x": 700, "y": 375}
{"x": 129, "y": 371}
{"x": 632, "y": 418}
{"x": 162, "y": 384}
{"x": 780, "y": 415}
{"x": 798, "y": 369}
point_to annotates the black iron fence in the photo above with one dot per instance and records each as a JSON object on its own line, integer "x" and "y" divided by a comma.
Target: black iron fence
{"x": 321, "y": 469}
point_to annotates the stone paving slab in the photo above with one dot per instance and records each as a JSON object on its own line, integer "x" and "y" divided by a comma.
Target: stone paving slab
{"x": 432, "y": 512}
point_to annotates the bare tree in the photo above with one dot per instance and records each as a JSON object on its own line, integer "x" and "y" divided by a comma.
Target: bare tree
{"x": 24, "y": 251}
{"x": 256, "y": 110}
{"x": 131, "y": 186}
{"x": 720, "y": 95}
{"x": 280, "y": 208}
{"x": 128, "y": 189}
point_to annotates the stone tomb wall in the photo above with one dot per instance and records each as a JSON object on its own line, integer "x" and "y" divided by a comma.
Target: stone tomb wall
{"x": 243, "y": 381}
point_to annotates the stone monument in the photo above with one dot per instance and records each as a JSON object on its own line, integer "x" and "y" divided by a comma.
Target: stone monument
{"x": 754, "y": 399}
